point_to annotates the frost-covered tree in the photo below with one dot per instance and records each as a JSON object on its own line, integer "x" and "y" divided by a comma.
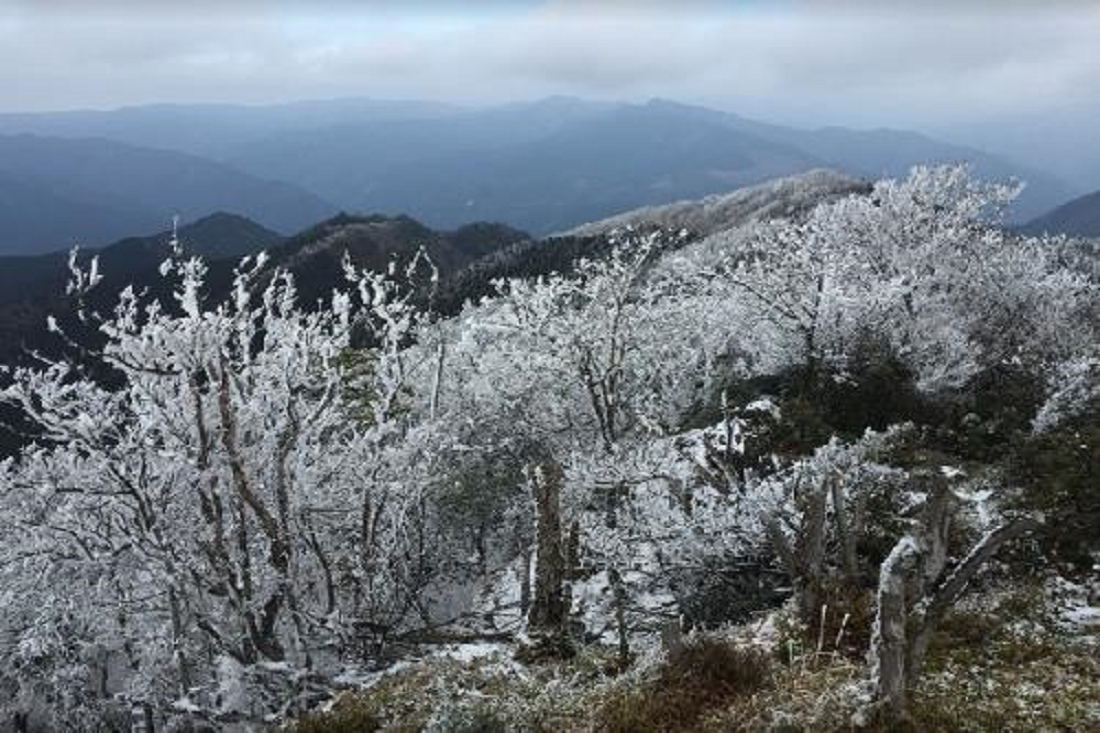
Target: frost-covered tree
{"x": 227, "y": 497}
{"x": 577, "y": 369}
{"x": 233, "y": 504}
{"x": 926, "y": 266}
{"x": 822, "y": 518}
{"x": 917, "y": 587}
{"x": 593, "y": 367}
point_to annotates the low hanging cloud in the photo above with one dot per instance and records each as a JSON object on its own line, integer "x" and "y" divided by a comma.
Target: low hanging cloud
{"x": 876, "y": 63}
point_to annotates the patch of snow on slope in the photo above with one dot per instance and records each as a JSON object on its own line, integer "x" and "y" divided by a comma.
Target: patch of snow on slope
{"x": 775, "y": 199}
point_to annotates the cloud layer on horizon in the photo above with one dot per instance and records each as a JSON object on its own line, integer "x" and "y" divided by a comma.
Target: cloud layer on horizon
{"x": 855, "y": 62}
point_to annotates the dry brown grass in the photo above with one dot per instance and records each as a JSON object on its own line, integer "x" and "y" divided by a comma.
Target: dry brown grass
{"x": 994, "y": 667}
{"x": 708, "y": 675}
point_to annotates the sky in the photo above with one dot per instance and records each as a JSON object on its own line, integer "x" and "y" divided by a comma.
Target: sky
{"x": 933, "y": 64}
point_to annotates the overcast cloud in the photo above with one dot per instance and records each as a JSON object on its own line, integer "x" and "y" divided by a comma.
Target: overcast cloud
{"x": 895, "y": 63}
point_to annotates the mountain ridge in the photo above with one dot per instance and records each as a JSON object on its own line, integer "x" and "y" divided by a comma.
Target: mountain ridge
{"x": 1079, "y": 217}
{"x": 57, "y": 192}
{"x": 778, "y": 198}
{"x": 33, "y": 287}
{"x": 544, "y": 165}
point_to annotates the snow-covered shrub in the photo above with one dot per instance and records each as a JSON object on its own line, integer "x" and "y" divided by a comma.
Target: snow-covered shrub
{"x": 833, "y": 504}
{"x": 925, "y": 263}
{"x": 262, "y": 499}
{"x": 1075, "y": 389}
{"x": 222, "y": 502}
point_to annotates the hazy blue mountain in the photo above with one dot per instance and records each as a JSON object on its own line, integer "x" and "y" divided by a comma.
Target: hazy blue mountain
{"x": 1078, "y": 218}
{"x": 56, "y": 192}
{"x": 885, "y": 152}
{"x": 40, "y": 215}
{"x": 1058, "y": 137}
{"x": 214, "y": 130}
{"x": 541, "y": 166}
{"x": 561, "y": 162}
{"x": 358, "y": 164}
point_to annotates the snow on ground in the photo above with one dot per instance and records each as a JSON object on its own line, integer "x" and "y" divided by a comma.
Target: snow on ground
{"x": 472, "y": 651}
{"x": 1085, "y": 617}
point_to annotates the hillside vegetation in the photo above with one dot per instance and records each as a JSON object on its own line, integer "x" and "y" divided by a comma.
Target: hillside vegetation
{"x": 829, "y": 466}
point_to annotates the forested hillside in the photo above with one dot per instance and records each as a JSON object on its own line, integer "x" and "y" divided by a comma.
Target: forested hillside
{"x": 823, "y": 457}
{"x": 32, "y": 288}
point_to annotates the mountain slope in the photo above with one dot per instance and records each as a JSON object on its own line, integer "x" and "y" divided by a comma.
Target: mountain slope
{"x": 316, "y": 256}
{"x": 542, "y": 166}
{"x": 1077, "y": 218}
{"x": 781, "y": 198}
{"x": 32, "y": 288}
{"x": 556, "y": 164}
{"x": 776, "y": 199}
{"x": 57, "y": 192}
{"x": 878, "y": 153}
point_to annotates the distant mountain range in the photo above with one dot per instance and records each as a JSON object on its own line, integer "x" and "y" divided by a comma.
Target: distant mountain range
{"x": 542, "y": 166}
{"x": 1077, "y": 218}
{"x": 57, "y": 192}
{"x": 550, "y": 165}
{"x": 213, "y": 130}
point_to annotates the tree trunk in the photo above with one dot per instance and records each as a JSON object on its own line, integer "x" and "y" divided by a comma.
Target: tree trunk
{"x": 888, "y": 640}
{"x": 548, "y": 605}
{"x": 915, "y": 593}
{"x": 804, "y": 559}
{"x": 141, "y": 718}
{"x": 672, "y": 640}
{"x": 525, "y": 582}
{"x": 618, "y": 590}
{"x": 572, "y": 564}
